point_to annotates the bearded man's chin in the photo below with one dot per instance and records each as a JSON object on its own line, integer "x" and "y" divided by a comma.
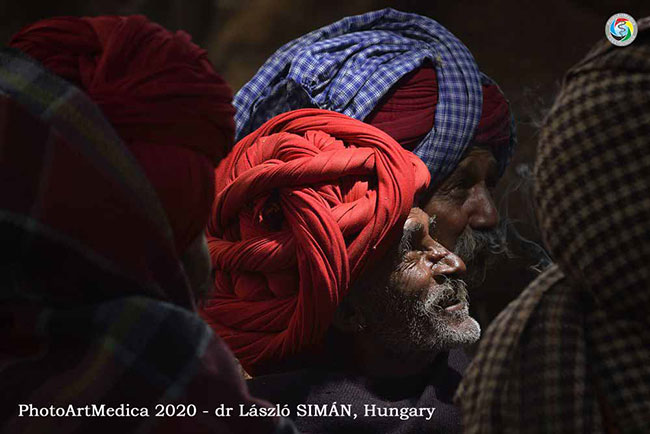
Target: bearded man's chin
{"x": 460, "y": 334}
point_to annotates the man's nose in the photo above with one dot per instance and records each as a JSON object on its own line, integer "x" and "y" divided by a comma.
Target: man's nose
{"x": 444, "y": 261}
{"x": 482, "y": 212}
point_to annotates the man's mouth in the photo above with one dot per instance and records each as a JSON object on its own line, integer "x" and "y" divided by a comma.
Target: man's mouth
{"x": 452, "y": 303}
{"x": 454, "y": 299}
{"x": 455, "y": 307}
{"x": 448, "y": 297}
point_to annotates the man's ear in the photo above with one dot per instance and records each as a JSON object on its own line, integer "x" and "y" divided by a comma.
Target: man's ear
{"x": 348, "y": 318}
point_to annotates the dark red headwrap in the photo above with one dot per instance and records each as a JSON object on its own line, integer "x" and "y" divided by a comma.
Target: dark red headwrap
{"x": 302, "y": 205}
{"x": 493, "y": 128}
{"x": 407, "y": 111}
{"x": 160, "y": 93}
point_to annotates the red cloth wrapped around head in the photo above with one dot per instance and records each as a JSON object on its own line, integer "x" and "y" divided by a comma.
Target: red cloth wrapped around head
{"x": 407, "y": 111}
{"x": 302, "y": 205}
{"x": 160, "y": 93}
{"x": 493, "y": 128}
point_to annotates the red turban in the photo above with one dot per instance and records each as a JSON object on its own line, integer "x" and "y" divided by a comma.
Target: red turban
{"x": 407, "y": 111}
{"x": 160, "y": 93}
{"x": 493, "y": 128}
{"x": 302, "y": 205}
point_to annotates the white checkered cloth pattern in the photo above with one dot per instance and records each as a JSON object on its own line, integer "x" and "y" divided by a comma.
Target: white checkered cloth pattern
{"x": 349, "y": 65}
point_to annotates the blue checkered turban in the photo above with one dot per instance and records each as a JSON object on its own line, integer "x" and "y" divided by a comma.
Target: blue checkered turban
{"x": 349, "y": 65}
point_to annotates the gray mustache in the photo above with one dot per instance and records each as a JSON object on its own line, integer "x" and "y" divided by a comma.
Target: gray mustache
{"x": 473, "y": 243}
{"x": 451, "y": 288}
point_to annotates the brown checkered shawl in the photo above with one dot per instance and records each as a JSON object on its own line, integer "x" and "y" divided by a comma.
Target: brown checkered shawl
{"x": 572, "y": 353}
{"x": 124, "y": 333}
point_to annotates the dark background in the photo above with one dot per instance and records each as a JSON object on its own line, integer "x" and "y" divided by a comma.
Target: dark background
{"x": 526, "y": 46}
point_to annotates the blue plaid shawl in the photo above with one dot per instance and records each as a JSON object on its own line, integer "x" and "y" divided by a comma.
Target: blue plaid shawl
{"x": 349, "y": 65}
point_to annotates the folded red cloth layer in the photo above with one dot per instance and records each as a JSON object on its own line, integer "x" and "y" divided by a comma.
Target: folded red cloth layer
{"x": 303, "y": 205}
{"x": 407, "y": 111}
{"x": 161, "y": 94}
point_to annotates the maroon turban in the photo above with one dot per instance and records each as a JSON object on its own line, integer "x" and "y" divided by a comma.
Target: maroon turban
{"x": 160, "y": 93}
{"x": 302, "y": 205}
{"x": 407, "y": 111}
{"x": 493, "y": 128}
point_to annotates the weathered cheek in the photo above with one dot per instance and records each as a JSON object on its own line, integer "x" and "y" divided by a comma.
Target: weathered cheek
{"x": 451, "y": 220}
{"x": 412, "y": 279}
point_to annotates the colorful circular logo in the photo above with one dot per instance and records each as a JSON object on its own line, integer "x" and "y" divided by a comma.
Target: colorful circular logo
{"x": 621, "y": 29}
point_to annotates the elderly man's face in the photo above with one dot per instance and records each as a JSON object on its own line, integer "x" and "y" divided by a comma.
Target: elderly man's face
{"x": 413, "y": 302}
{"x": 466, "y": 218}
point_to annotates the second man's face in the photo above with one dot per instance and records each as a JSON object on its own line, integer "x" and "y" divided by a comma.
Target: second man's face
{"x": 464, "y": 200}
{"x": 467, "y": 219}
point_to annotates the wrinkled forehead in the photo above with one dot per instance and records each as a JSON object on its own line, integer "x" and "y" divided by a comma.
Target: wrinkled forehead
{"x": 479, "y": 160}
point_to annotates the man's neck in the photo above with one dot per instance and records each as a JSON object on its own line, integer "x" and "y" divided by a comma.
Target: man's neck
{"x": 376, "y": 360}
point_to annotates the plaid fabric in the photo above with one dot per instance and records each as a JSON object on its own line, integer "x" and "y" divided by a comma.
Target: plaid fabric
{"x": 83, "y": 162}
{"x": 349, "y": 65}
{"x": 572, "y": 352}
{"x": 81, "y": 326}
